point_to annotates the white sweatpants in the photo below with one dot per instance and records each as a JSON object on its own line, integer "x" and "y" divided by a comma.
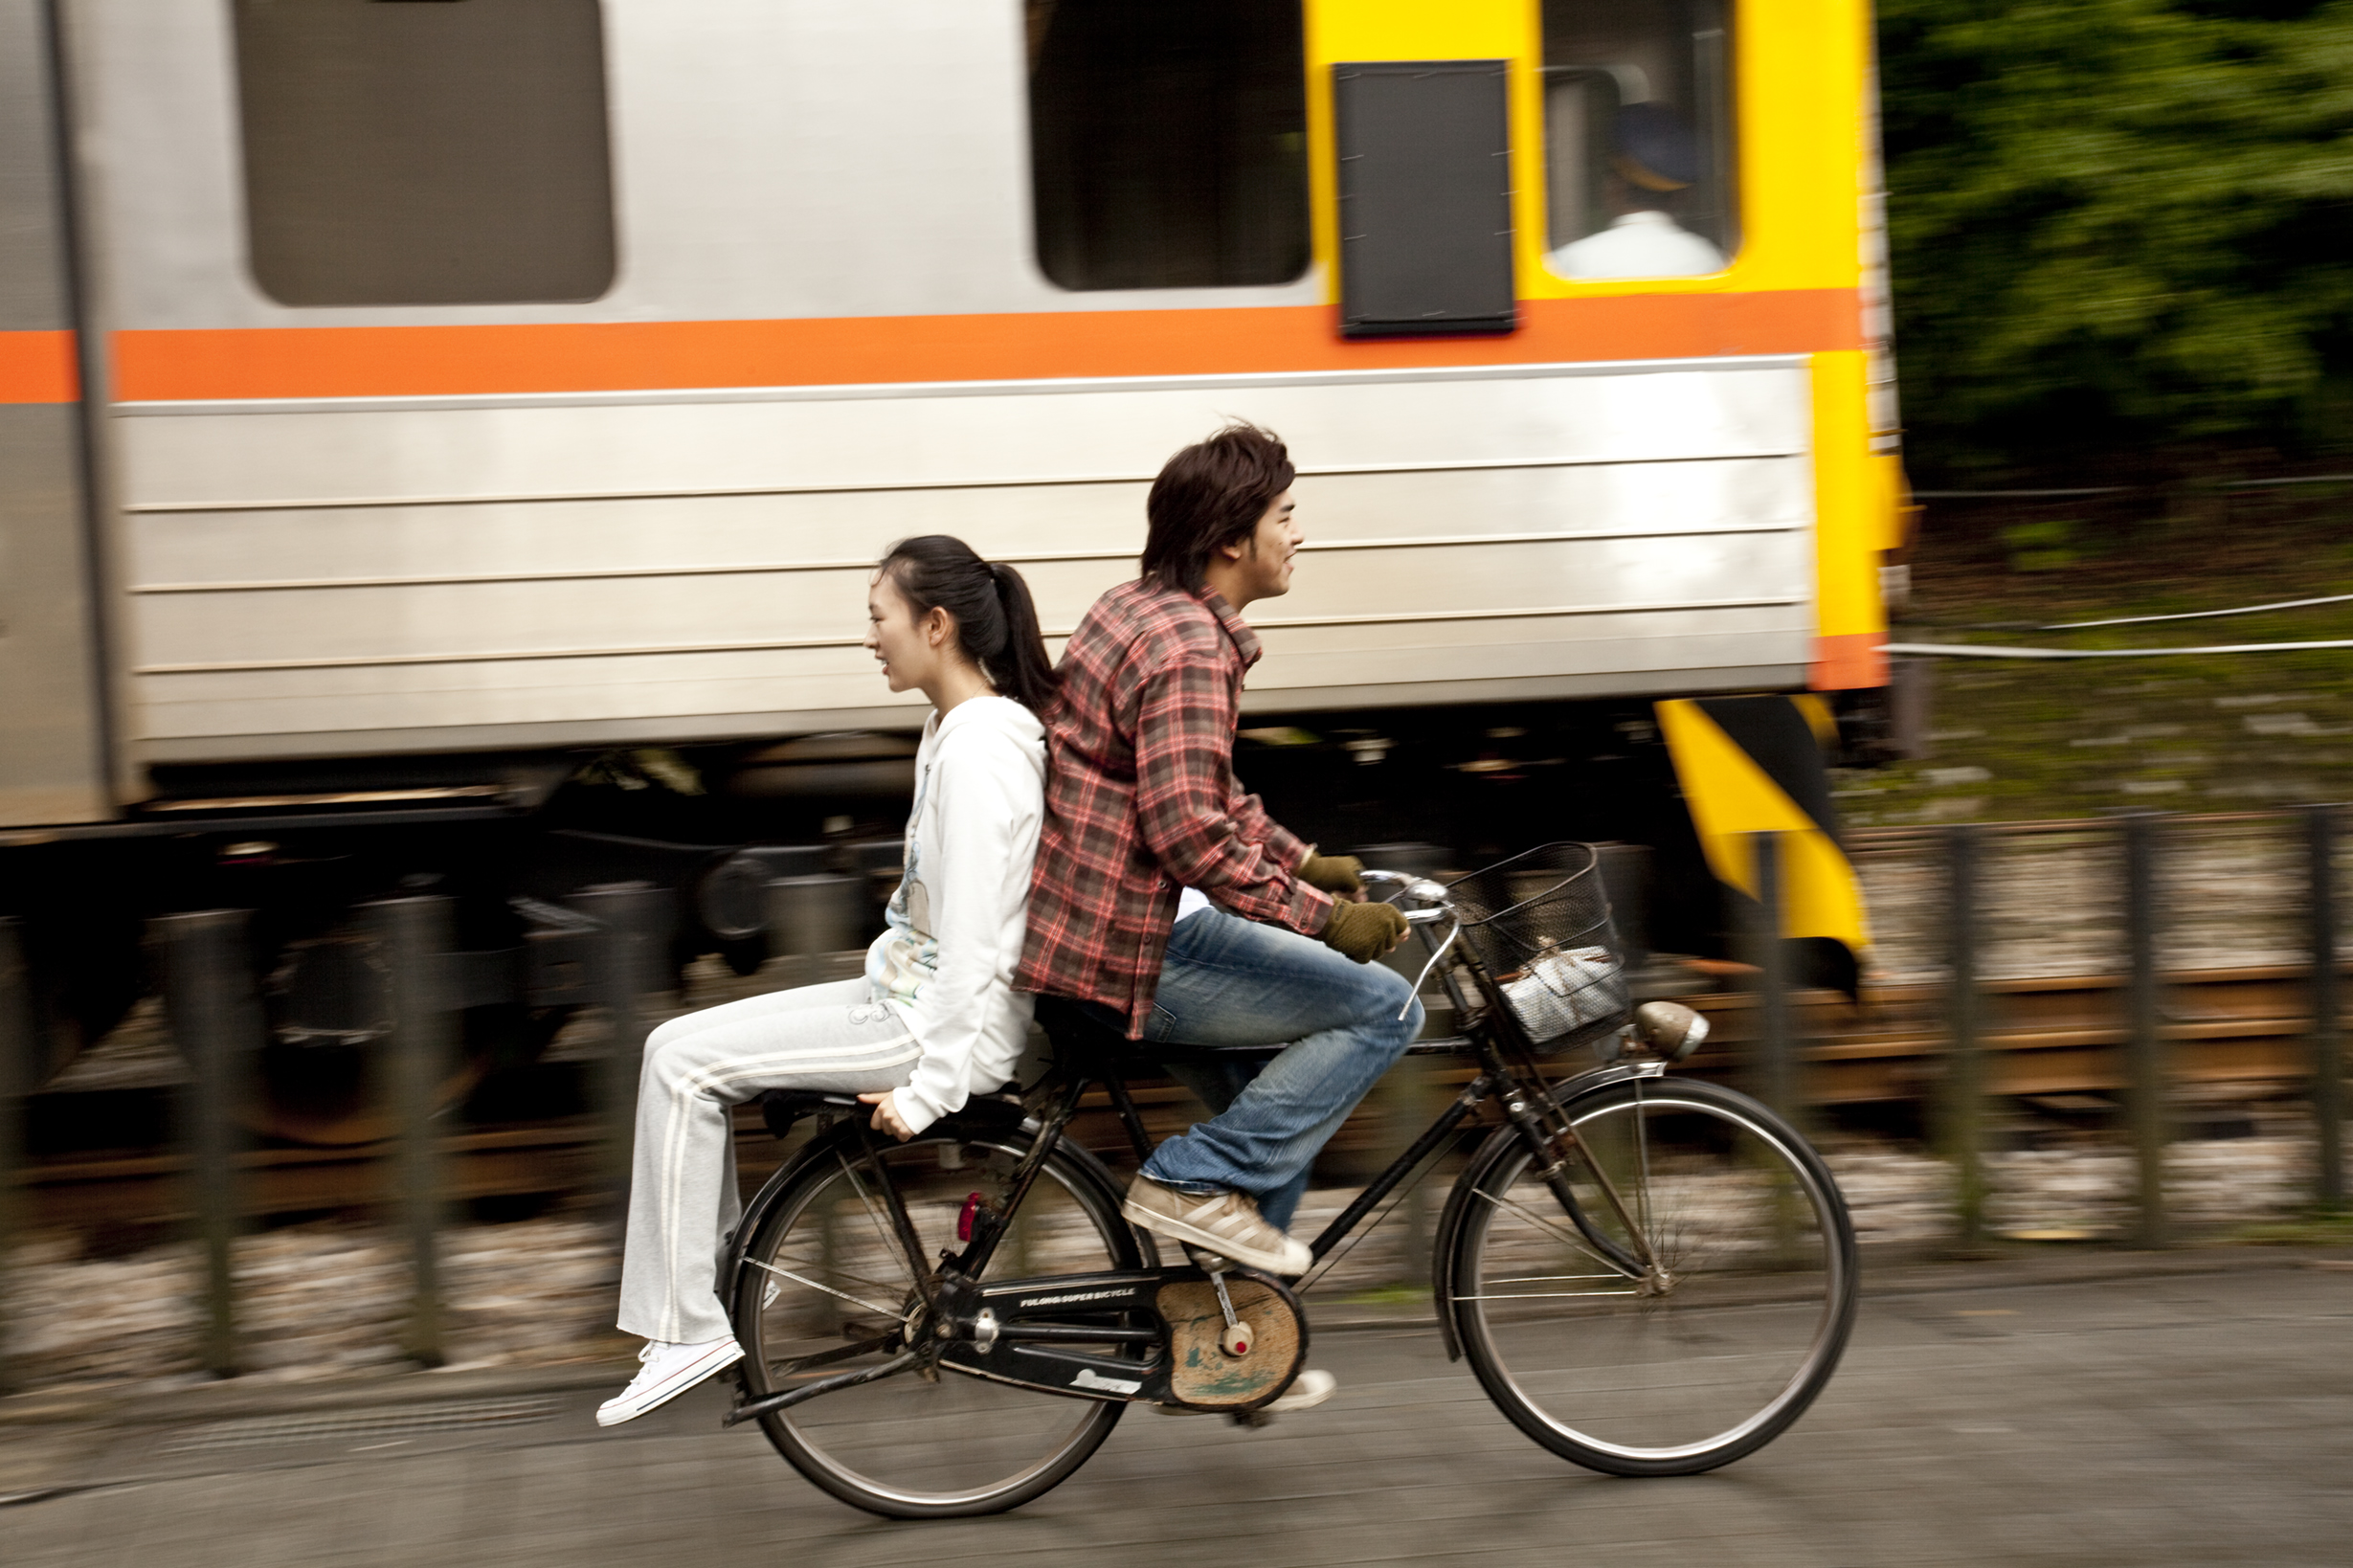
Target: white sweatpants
{"x": 683, "y": 1198}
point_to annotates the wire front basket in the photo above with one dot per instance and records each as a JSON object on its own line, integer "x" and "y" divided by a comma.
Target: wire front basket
{"x": 1540, "y": 925}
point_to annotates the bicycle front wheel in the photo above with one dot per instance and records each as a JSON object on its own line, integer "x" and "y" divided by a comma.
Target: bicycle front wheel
{"x": 1740, "y": 1324}
{"x": 829, "y": 1286}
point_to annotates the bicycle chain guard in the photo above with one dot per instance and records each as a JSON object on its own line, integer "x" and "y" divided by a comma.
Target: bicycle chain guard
{"x": 1202, "y": 1374}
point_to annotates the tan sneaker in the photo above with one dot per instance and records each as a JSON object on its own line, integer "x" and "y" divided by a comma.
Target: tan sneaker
{"x": 1225, "y": 1222}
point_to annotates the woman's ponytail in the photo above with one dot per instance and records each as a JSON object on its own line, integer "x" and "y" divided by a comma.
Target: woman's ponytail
{"x": 1024, "y": 673}
{"x": 997, "y": 623}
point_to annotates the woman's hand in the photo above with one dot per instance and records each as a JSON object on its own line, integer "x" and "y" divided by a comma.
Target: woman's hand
{"x": 886, "y": 1117}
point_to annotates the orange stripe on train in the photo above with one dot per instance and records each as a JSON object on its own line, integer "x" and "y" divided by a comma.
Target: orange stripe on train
{"x": 621, "y": 356}
{"x": 1850, "y": 661}
{"x": 38, "y": 367}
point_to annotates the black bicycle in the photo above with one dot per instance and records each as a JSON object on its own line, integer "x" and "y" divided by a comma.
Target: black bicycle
{"x": 1649, "y": 1276}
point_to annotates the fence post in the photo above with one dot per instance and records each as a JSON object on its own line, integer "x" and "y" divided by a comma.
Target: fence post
{"x": 1964, "y": 1074}
{"x": 1777, "y": 1051}
{"x": 19, "y": 1042}
{"x": 416, "y": 936}
{"x": 631, "y": 926}
{"x": 216, "y": 1022}
{"x": 810, "y": 916}
{"x": 2327, "y": 1063}
{"x": 2144, "y": 1047}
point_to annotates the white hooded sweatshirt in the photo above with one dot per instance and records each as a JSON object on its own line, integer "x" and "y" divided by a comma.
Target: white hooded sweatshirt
{"x": 945, "y": 964}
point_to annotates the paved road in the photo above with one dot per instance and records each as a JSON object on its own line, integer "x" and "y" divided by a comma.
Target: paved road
{"x": 2186, "y": 1419}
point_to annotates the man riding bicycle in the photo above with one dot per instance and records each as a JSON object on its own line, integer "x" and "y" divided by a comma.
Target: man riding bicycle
{"x": 1165, "y": 895}
{"x": 893, "y": 1359}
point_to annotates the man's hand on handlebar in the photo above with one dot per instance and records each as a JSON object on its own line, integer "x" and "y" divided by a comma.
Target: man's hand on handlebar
{"x": 1343, "y": 876}
{"x": 1364, "y": 931}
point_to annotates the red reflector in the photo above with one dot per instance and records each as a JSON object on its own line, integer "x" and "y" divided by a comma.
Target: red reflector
{"x": 964, "y": 1221}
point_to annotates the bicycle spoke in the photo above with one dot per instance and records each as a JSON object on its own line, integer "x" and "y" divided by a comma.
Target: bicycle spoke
{"x": 847, "y": 1277}
{"x": 799, "y": 1366}
{"x": 1571, "y": 1238}
{"x": 884, "y": 1231}
{"x": 1642, "y": 1173}
{"x": 901, "y": 1223}
{"x": 895, "y": 1316}
{"x": 850, "y": 1276}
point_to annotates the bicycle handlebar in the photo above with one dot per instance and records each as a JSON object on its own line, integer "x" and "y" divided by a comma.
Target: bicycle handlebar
{"x": 1440, "y": 908}
{"x": 1416, "y": 888}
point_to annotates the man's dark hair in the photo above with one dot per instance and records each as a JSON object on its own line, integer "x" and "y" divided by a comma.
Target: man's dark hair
{"x": 1208, "y": 495}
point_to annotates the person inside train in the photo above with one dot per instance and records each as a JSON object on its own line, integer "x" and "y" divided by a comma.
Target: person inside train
{"x": 934, "y": 1016}
{"x": 1656, "y": 163}
{"x": 1167, "y": 900}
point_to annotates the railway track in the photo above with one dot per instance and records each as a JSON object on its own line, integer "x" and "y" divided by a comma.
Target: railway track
{"x": 2240, "y": 1032}
{"x": 2064, "y": 1035}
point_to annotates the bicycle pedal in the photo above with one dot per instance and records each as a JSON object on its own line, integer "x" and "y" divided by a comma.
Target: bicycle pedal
{"x": 1209, "y": 1263}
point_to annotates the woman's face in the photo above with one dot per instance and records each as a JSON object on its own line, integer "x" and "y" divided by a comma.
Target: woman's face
{"x": 908, "y": 649}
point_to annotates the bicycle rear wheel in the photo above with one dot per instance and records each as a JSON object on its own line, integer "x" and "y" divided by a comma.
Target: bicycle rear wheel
{"x": 1693, "y": 1371}
{"x": 826, "y": 1272}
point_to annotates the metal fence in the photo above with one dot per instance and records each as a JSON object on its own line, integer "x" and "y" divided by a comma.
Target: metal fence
{"x": 610, "y": 954}
{"x": 1959, "y": 1095}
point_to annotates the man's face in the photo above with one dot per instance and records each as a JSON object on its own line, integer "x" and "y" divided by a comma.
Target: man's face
{"x": 1265, "y": 558}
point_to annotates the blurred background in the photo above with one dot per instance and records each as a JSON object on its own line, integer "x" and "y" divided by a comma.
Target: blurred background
{"x": 2114, "y": 234}
{"x": 441, "y": 447}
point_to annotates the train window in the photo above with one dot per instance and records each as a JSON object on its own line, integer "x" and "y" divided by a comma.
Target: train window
{"x": 1638, "y": 137}
{"x": 1168, "y": 142}
{"x": 425, "y": 151}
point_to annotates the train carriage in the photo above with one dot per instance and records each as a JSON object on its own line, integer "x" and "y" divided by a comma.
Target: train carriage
{"x": 406, "y": 399}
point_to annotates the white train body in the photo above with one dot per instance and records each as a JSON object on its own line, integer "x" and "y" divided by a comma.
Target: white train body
{"x": 317, "y": 540}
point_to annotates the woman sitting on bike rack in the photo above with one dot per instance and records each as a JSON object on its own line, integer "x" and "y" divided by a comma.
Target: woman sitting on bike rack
{"x": 932, "y": 1016}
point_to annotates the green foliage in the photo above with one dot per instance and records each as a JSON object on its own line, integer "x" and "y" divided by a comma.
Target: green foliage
{"x": 2046, "y": 545}
{"x": 2118, "y": 227}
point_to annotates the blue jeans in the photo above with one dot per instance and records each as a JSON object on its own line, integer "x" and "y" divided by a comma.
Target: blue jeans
{"x": 1229, "y": 981}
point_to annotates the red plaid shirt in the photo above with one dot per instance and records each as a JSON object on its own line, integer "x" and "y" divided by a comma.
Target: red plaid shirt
{"x": 1140, "y": 800}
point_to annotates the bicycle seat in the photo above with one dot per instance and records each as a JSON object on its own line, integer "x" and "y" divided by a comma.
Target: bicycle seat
{"x": 1088, "y": 1032}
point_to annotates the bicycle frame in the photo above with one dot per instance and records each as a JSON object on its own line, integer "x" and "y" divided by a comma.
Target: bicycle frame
{"x": 1029, "y": 1332}
{"x": 1023, "y": 1332}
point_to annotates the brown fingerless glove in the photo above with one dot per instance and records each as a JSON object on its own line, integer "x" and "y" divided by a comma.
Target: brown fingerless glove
{"x": 1342, "y": 874}
{"x": 1364, "y": 931}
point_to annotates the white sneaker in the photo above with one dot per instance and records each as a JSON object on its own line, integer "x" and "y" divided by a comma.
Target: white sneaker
{"x": 1309, "y": 1389}
{"x": 670, "y": 1370}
